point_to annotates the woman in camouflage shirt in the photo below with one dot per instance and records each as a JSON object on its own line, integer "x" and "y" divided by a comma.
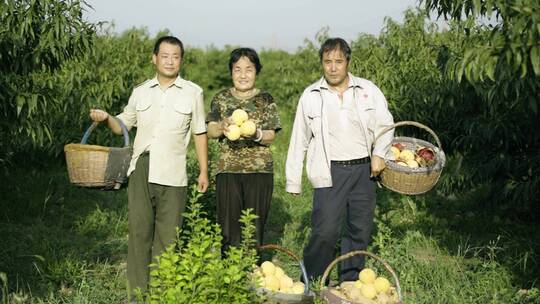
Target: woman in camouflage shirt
{"x": 245, "y": 176}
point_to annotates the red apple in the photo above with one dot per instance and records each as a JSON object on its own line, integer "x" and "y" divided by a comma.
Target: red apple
{"x": 426, "y": 153}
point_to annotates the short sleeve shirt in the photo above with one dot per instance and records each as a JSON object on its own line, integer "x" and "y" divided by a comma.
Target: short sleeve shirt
{"x": 245, "y": 155}
{"x": 165, "y": 119}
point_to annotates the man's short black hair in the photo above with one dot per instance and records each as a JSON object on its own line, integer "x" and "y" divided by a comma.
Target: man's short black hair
{"x": 171, "y": 40}
{"x": 334, "y": 44}
{"x": 245, "y": 52}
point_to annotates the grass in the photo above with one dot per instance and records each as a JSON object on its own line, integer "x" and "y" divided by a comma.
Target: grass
{"x": 61, "y": 244}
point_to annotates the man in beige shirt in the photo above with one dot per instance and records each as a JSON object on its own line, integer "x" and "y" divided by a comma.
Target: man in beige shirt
{"x": 165, "y": 110}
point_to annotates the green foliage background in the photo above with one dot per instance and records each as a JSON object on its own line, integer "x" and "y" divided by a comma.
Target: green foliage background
{"x": 475, "y": 85}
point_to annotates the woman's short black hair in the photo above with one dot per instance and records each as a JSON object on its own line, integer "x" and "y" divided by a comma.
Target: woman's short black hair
{"x": 170, "y": 40}
{"x": 245, "y": 52}
{"x": 334, "y": 44}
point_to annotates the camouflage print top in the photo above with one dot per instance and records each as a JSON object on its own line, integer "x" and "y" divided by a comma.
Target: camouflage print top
{"x": 245, "y": 155}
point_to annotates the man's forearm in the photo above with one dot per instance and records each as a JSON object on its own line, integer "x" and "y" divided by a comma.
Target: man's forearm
{"x": 114, "y": 125}
{"x": 201, "y": 149}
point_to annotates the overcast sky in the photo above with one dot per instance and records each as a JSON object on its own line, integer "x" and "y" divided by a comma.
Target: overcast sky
{"x": 282, "y": 24}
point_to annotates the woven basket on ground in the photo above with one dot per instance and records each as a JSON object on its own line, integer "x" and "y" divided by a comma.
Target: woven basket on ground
{"x": 330, "y": 296}
{"x": 407, "y": 180}
{"x": 283, "y": 298}
{"x": 96, "y": 166}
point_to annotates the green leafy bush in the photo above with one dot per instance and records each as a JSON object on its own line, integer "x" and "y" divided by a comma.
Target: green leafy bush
{"x": 194, "y": 270}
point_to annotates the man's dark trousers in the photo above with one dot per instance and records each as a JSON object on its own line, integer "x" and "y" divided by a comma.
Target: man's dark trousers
{"x": 154, "y": 212}
{"x": 347, "y": 206}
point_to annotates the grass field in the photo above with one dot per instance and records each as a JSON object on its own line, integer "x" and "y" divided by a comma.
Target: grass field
{"x": 61, "y": 244}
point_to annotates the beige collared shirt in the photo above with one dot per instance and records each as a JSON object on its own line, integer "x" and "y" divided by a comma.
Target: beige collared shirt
{"x": 165, "y": 119}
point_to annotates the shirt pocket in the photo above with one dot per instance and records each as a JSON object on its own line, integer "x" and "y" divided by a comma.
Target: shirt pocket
{"x": 144, "y": 112}
{"x": 182, "y": 116}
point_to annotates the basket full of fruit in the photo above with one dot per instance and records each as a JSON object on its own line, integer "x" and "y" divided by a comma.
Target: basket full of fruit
{"x": 272, "y": 281}
{"x": 413, "y": 166}
{"x": 368, "y": 289}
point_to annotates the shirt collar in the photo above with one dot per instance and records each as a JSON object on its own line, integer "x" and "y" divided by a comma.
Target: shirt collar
{"x": 178, "y": 82}
{"x": 353, "y": 83}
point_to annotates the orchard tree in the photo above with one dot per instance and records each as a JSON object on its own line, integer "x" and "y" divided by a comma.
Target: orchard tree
{"x": 36, "y": 38}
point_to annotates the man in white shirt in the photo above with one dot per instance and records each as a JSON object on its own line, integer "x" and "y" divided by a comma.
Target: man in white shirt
{"x": 337, "y": 120}
{"x": 165, "y": 110}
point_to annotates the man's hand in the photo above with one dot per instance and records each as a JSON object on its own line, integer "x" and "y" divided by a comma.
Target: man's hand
{"x": 377, "y": 165}
{"x": 203, "y": 182}
{"x": 98, "y": 115}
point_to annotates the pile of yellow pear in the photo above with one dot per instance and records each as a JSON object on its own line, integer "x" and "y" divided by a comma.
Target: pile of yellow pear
{"x": 273, "y": 278}
{"x": 242, "y": 126}
{"x": 368, "y": 289}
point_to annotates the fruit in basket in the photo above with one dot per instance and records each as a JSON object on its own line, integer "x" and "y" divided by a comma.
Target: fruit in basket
{"x": 426, "y": 153}
{"x": 271, "y": 283}
{"x": 377, "y": 291}
{"x": 382, "y": 285}
{"x": 285, "y": 282}
{"x": 383, "y": 298}
{"x": 298, "y": 288}
{"x": 367, "y": 276}
{"x": 401, "y": 163}
{"x": 239, "y": 116}
{"x": 399, "y": 146}
{"x": 406, "y": 155}
{"x": 425, "y": 156}
{"x": 268, "y": 268}
{"x": 274, "y": 278}
{"x": 368, "y": 291}
{"x": 412, "y": 164}
{"x": 395, "y": 152}
{"x": 278, "y": 272}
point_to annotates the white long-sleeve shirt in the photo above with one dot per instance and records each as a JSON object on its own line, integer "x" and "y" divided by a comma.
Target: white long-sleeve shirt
{"x": 310, "y": 132}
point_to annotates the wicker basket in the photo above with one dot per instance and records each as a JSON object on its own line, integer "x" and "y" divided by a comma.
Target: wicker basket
{"x": 95, "y": 166}
{"x": 283, "y": 298}
{"x": 407, "y": 180}
{"x": 329, "y": 297}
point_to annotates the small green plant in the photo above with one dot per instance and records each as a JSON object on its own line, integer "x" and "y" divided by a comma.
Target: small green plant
{"x": 194, "y": 269}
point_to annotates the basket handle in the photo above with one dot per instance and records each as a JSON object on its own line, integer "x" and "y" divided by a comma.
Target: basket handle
{"x": 95, "y": 124}
{"x": 362, "y": 252}
{"x": 295, "y": 257}
{"x": 410, "y": 123}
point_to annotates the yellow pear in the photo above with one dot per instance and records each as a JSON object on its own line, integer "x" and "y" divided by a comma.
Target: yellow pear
{"x": 268, "y": 268}
{"x": 369, "y": 291}
{"x": 234, "y": 133}
{"x": 395, "y": 151}
{"x": 367, "y": 276}
{"x": 248, "y": 128}
{"x": 239, "y": 116}
{"x": 406, "y": 155}
{"x": 271, "y": 283}
{"x": 278, "y": 272}
{"x": 298, "y": 288}
{"x": 412, "y": 164}
{"x": 285, "y": 282}
{"x": 382, "y": 285}
{"x": 358, "y": 284}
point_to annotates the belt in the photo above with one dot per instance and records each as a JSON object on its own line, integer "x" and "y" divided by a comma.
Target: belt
{"x": 357, "y": 161}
